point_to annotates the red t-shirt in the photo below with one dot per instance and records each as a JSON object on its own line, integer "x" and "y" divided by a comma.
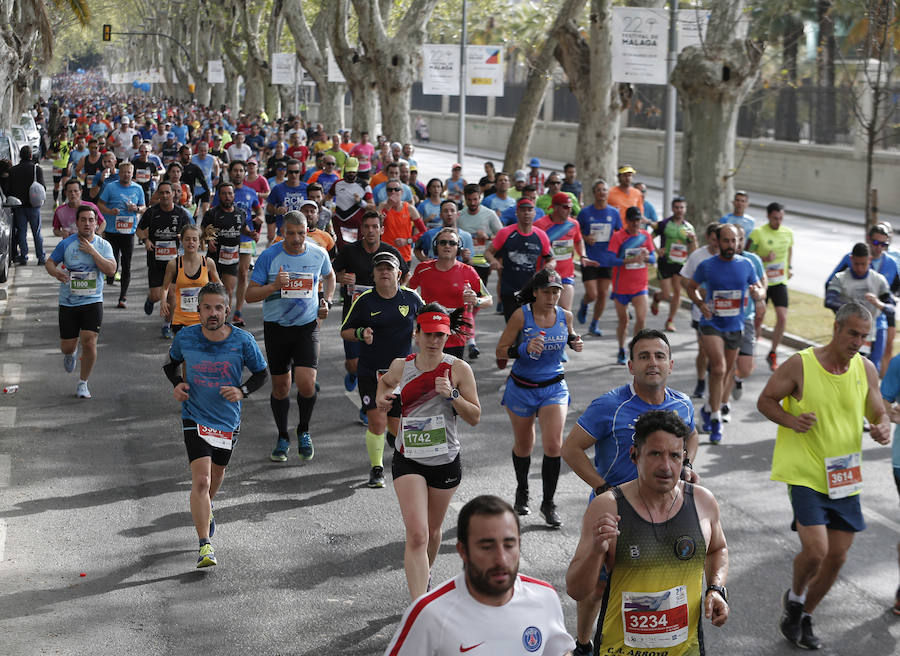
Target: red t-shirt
{"x": 446, "y": 288}
{"x": 630, "y": 278}
{"x": 563, "y": 237}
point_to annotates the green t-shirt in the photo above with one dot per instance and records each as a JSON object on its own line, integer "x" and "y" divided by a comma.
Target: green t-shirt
{"x": 765, "y": 240}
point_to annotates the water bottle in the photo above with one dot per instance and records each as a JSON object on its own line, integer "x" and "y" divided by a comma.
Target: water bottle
{"x": 10, "y": 389}
{"x": 537, "y": 356}
{"x": 467, "y": 288}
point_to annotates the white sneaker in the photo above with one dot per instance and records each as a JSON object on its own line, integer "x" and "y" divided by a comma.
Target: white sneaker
{"x": 83, "y": 392}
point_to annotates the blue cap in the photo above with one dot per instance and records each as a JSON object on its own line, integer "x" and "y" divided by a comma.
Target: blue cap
{"x": 170, "y": 135}
{"x": 535, "y": 163}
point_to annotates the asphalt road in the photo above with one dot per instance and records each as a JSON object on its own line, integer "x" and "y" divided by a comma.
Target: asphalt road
{"x": 310, "y": 560}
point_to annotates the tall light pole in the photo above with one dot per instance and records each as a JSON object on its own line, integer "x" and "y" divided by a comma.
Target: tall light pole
{"x": 461, "y": 147}
{"x": 671, "y": 101}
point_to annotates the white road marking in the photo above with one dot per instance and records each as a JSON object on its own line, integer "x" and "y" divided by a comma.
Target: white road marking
{"x": 5, "y": 467}
{"x": 7, "y": 417}
{"x": 11, "y": 373}
{"x": 18, "y": 313}
{"x": 2, "y": 540}
{"x": 15, "y": 340}
{"x": 877, "y": 517}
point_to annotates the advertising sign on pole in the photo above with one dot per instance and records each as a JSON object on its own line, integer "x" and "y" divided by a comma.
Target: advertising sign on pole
{"x": 484, "y": 70}
{"x": 284, "y": 68}
{"x": 215, "y": 71}
{"x": 440, "y": 70}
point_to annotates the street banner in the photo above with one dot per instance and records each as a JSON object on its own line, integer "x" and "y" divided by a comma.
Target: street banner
{"x": 215, "y": 71}
{"x": 334, "y": 71}
{"x": 484, "y": 71}
{"x": 284, "y": 68}
{"x": 440, "y": 70}
{"x": 639, "y": 43}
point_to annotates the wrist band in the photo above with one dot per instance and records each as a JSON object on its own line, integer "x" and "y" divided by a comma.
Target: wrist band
{"x": 359, "y": 334}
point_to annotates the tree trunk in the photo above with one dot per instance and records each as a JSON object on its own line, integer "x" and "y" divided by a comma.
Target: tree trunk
{"x": 787, "y": 127}
{"x": 825, "y": 65}
{"x": 712, "y": 81}
{"x": 356, "y": 67}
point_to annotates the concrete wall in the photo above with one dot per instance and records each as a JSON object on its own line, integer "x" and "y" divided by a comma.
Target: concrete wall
{"x": 824, "y": 174}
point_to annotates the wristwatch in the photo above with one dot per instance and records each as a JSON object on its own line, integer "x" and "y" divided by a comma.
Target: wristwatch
{"x": 454, "y": 394}
{"x": 600, "y": 489}
{"x": 245, "y": 391}
{"x": 721, "y": 589}
{"x": 328, "y": 303}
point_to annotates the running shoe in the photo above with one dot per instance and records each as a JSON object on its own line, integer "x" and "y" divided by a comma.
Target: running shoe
{"x": 808, "y": 639}
{"x": 654, "y": 306}
{"x": 69, "y": 362}
{"x": 594, "y": 330}
{"x": 207, "y": 557}
{"x": 620, "y": 359}
{"x": 550, "y": 514}
{"x": 772, "y": 360}
{"x": 707, "y": 420}
{"x": 582, "y": 312}
{"x": 305, "y": 448}
{"x": 349, "y": 381}
{"x": 896, "y": 607}
{"x": 117, "y": 277}
{"x": 474, "y": 352}
{"x": 281, "y": 450}
{"x": 212, "y": 522}
{"x": 376, "y": 477}
{"x": 699, "y": 390}
{"x": 82, "y": 392}
{"x": 166, "y": 331}
{"x": 363, "y": 417}
{"x": 121, "y": 304}
{"x": 670, "y": 327}
{"x": 148, "y": 307}
{"x": 792, "y": 612}
{"x": 726, "y": 413}
{"x": 583, "y": 648}
{"x": 738, "y": 390}
{"x": 237, "y": 320}
{"x": 715, "y": 431}
{"x": 521, "y": 504}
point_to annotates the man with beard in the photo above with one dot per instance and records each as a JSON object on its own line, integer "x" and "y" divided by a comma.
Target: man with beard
{"x": 352, "y": 198}
{"x": 222, "y": 227}
{"x": 729, "y": 279}
{"x": 121, "y": 202}
{"x": 214, "y": 354}
{"x": 489, "y": 604}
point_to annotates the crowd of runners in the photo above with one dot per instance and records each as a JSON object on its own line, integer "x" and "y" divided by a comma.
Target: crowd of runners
{"x": 233, "y": 209}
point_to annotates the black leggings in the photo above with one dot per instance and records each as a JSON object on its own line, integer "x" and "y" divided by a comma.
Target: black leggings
{"x": 123, "y": 247}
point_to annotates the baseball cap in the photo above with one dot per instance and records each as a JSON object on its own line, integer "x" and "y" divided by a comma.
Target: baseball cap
{"x": 626, "y": 168}
{"x": 560, "y": 198}
{"x": 455, "y": 165}
{"x": 633, "y": 214}
{"x": 351, "y": 165}
{"x": 395, "y": 144}
{"x": 217, "y": 137}
{"x": 253, "y": 160}
{"x": 524, "y": 201}
{"x": 535, "y": 163}
{"x": 126, "y": 120}
{"x": 308, "y": 203}
{"x": 547, "y": 278}
{"x": 520, "y": 175}
{"x": 385, "y": 257}
{"x": 170, "y": 135}
{"x": 434, "y": 322}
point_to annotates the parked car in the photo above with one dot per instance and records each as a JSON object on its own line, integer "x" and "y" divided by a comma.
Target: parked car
{"x": 32, "y": 134}
{"x": 9, "y": 147}
{"x": 6, "y": 219}
{"x": 18, "y": 133}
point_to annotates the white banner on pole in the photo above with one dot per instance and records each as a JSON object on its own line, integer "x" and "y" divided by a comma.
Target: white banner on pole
{"x": 215, "y": 71}
{"x": 334, "y": 71}
{"x": 45, "y": 84}
{"x": 440, "y": 70}
{"x": 283, "y": 67}
{"x": 691, "y": 27}
{"x": 639, "y": 43}
{"x": 484, "y": 71}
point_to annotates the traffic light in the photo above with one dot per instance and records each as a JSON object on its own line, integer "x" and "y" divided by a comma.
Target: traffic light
{"x": 107, "y": 32}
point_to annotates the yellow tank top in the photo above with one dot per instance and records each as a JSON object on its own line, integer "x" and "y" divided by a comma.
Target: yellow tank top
{"x": 186, "y": 289}
{"x": 839, "y": 402}
{"x": 654, "y": 599}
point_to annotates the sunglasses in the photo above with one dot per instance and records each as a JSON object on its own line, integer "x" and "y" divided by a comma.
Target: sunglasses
{"x": 293, "y": 170}
{"x": 876, "y": 242}
{"x": 447, "y": 242}
{"x": 393, "y": 189}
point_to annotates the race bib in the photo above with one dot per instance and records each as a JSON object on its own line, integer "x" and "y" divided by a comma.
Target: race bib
{"x": 631, "y": 252}
{"x": 83, "y": 283}
{"x": 228, "y": 255}
{"x": 478, "y": 246}
{"x": 678, "y": 253}
{"x": 188, "y": 299}
{"x": 727, "y": 302}
{"x": 349, "y": 235}
{"x": 216, "y": 438}
{"x": 424, "y": 437}
{"x": 248, "y": 248}
{"x": 563, "y": 249}
{"x": 655, "y": 619}
{"x": 142, "y": 176}
{"x": 357, "y": 290}
{"x": 166, "y": 250}
{"x": 601, "y": 231}
{"x": 844, "y": 475}
{"x": 125, "y": 224}
{"x": 775, "y": 272}
{"x": 300, "y": 285}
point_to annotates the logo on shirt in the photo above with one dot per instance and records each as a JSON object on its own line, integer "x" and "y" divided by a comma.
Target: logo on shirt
{"x": 685, "y": 547}
{"x": 532, "y": 639}
{"x": 404, "y": 309}
{"x": 634, "y": 551}
{"x": 463, "y": 650}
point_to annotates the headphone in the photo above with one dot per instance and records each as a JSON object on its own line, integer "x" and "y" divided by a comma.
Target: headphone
{"x": 434, "y": 242}
{"x": 633, "y": 455}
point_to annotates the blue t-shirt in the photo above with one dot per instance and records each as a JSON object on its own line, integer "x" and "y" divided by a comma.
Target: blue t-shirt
{"x": 727, "y": 290}
{"x": 550, "y": 362}
{"x": 380, "y": 192}
{"x": 286, "y": 196}
{"x": 310, "y": 266}
{"x": 610, "y": 420}
{"x": 328, "y": 179}
{"x": 508, "y": 216}
{"x": 430, "y": 213}
{"x": 181, "y": 133}
{"x": 427, "y": 239}
{"x": 211, "y": 365}
{"x": 890, "y": 389}
{"x": 750, "y": 307}
{"x": 205, "y": 164}
{"x": 81, "y": 267}
{"x": 650, "y": 211}
{"x": 746, "y": 222}
{"x": 499, "y": 205}
{"x": 602, "y": 224}
{"x": 247, "y": 200}
{"x": 117, "y": 196}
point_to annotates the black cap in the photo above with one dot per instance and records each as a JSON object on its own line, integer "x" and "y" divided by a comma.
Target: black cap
{"x": 385, "y": 257}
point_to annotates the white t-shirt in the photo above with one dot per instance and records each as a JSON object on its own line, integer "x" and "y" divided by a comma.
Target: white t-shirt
{"x": 485, "y": 219}
{"x": 122, "y": 137}
{"x": 448, "y": 621}
{"x": 239, "y": 153}
{"x": 687, "y": 272}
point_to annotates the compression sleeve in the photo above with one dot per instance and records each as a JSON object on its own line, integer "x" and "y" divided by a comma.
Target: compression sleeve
{"x": 256, "y": 380}
{"x": 171, "y": 371}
